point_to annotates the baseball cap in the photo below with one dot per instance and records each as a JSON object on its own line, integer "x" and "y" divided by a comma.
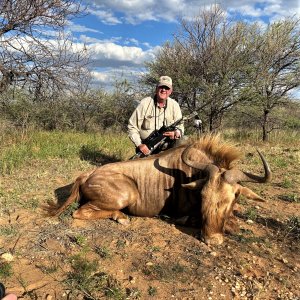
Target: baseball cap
{"x": 165, "y": 80}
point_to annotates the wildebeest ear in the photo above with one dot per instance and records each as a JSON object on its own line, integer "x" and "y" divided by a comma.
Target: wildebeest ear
{"x": 194, "y": 185}
{"x": 250, "y": 194}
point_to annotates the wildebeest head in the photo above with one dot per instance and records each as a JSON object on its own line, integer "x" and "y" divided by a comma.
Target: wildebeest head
{"x": 220, "y": 188}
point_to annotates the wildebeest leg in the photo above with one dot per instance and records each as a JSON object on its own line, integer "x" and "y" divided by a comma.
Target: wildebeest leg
{"x": 91, "y": 212}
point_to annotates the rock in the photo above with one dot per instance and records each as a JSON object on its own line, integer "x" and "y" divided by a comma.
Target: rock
{"x": 7, "y": 257}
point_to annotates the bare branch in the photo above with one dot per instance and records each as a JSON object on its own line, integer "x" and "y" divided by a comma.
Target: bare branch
{"x": 35, "y": 51}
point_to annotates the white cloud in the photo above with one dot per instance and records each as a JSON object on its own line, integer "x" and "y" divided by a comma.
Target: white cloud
{"x": 146, "y": 45}
{"x": 80, "y": 28}
{"x": 263, "y": 8}
{"x": 114, "y": 57}
{"x": 107, "y": 77}
{"x": 100, "y": 76}
{"x": 91, "y": 40}
{"x": 106, "y": 17}
{"x": 247, "y": 10}
{"x": 136, "y": 11}
{"x": 111, "y": 54}
{"x": 131, "y": 41}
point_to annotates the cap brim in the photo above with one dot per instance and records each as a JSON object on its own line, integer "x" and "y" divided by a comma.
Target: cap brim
{"x": 163, "y": 84}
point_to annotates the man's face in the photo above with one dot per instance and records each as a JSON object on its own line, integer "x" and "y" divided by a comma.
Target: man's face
{"x": 163, "y": 92}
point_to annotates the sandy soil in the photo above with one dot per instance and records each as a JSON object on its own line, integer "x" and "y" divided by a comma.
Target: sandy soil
{"x": 151, "y": 258}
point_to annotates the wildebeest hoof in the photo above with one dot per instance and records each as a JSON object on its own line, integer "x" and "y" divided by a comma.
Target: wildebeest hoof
{"x": 123, "y": 221}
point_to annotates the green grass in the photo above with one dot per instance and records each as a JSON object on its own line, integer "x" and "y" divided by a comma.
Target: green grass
{"x": 248, "y": 239}
{"x": 5, "y": 270}
{"x": 133, "y": 293}
{"x": 80, "y": 240}
{"x": 103, "y": 252}
{"x": 67, "y": 213}
{"x": 42, "y": 145}
{"x": 17, "y": 149}
{"x": 284, "y": 137}
{"x": 9, "y": 230}
{"x": 287, "y": 183}
{"x": 49, "y": 269}
{"x": 251, "y": 213}
{"x": 165, "y": 271}
{"x": 279, "y": 162}
{"x": 114, "y": 292}
{"x": 292, "y": 228}
{"x": 152, "y": 291}
{"x": 80, "y": 276}
{"x": 86, "y": 278}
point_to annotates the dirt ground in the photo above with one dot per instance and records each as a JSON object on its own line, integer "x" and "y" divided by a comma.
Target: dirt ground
{"x": 151, "y": 258}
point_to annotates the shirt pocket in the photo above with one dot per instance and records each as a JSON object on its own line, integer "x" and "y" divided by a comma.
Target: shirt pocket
{"x": 148, "y": 120}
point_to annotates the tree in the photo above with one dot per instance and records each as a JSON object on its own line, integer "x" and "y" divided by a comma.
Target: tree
{"x": 207, "y": 62}
{"x": 275, "y": 69}
{"x": 17, "y": 107}
{"x": 118, "y": 107}
{"x": 92, "y": 109}
{"x": 217, "y": 64}
{"x": 35, "y": 51}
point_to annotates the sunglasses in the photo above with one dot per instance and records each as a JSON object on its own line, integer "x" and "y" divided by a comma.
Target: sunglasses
{"x": 164, "y": 87}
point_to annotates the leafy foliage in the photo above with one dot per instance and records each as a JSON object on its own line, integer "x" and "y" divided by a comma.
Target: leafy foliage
{"x": 218, "y": 66}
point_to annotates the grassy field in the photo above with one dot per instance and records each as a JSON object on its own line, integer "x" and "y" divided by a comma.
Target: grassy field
{"x": 152, "y": 258}
{"x": 18, "y": 150}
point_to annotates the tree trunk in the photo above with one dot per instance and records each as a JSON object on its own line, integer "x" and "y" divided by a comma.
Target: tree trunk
{"x": 265, "y": 136}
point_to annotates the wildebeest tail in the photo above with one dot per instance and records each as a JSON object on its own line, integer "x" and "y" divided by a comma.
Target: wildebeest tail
{"x": 53, "y": 210}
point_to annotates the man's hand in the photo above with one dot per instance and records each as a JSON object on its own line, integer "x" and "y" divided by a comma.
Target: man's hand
{"x": 8, "y": 296}
{"x": 144, "y": 149}
{"x": 173, "y": 134}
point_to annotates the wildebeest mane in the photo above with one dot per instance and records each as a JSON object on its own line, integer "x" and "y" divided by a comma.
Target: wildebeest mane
{"x": 223, "y": 154}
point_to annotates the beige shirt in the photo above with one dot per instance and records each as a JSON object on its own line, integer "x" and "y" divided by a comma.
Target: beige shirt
{"x": 148, "y": 116}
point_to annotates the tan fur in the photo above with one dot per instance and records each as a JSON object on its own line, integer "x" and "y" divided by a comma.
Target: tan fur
{"x": 74, "y": 196}
{"x": 145, "y": 186}
{"x": 223, "y": 154}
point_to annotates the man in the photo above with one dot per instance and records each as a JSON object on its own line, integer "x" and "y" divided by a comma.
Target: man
{"x": 154, "y": 112}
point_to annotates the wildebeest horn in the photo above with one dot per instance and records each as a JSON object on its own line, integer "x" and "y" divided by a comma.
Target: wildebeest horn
{"x": 207, "y": 167}
{"x": 235, "y": 175}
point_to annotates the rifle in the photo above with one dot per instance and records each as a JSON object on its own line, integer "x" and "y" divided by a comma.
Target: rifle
{"x": 157, "y": 138}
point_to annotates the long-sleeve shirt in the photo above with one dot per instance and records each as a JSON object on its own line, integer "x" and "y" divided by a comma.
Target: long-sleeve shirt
{"x": 148, "y": 116}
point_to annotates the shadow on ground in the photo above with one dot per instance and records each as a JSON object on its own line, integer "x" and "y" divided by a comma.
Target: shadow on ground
{"x": 288, "y": 230}
{"x": 96, "y": 157}
{"x": 62, "y": 193}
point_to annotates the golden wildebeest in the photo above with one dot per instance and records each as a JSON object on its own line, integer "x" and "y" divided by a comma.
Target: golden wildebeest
{"x": 196, "y": 179}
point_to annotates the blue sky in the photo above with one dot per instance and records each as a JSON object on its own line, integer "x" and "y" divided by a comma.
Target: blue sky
{"x": 122, "y": 34}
